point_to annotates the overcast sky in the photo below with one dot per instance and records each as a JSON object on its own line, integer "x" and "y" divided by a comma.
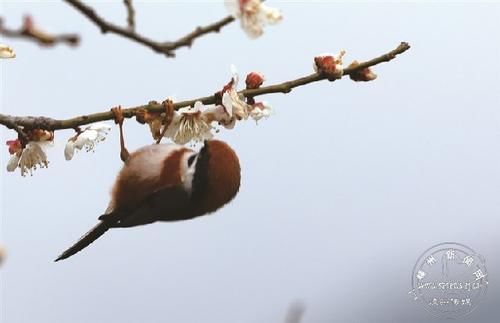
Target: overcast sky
{"x": 343, "y": 188}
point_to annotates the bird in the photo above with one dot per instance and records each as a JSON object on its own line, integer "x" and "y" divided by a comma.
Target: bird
{"x": 167, "y": 182}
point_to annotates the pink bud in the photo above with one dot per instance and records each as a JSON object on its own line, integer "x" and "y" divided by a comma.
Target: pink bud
{"x": 326, "y": 64}
{"x": 14, "y": 146}
{"x": 363, "y": 75}
{"x": 27, "y": 22}
{"x": 254, "y": 80}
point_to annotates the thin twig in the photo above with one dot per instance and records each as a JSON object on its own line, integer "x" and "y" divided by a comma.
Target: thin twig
{"x": 30, "y": 32}
{"x": 130, "y": 14}
{"x": 166, "y": 48}
{"x": 285, "y": 87}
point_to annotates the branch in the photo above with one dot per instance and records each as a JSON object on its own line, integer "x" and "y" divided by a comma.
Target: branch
{"x": 130, "y": 14}
{"x": 30, "y": 32}
{"x": 285, "y": 87}
{"x": 12, "y": 125}
{"x": 166, "y": 48}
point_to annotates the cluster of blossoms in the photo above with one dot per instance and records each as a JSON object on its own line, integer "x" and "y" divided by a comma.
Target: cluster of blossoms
{"x": 28, "y": 157}
{"x": 86, "y": 139}
{"x": 196, "y": 123}
{"x": 331, "y": 66}
{"x": 253, "y": 15}
{"x": 32, "y": 154}
{"x": 184, "y": 125}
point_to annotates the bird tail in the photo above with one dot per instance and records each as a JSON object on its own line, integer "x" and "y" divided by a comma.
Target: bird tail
{"x": 86, "y": 239}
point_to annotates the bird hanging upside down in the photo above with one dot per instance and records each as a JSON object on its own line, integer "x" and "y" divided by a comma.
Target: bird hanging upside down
{"x": 167, "y": 182}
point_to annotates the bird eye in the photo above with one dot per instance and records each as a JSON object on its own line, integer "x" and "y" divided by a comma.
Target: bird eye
{"x": 191, "y": 159}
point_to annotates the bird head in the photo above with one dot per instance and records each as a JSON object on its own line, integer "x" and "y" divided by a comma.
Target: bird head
{"x": 216, "y": 178}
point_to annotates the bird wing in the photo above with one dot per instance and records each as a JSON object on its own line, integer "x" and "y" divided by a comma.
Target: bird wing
{"x": 169, "y": 203}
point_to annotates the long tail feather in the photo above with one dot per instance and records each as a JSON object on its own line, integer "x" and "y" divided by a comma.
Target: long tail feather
{"x": 86, "y": 239}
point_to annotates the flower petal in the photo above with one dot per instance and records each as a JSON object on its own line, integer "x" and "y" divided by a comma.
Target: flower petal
{"x": 69, "y": 150}
{"x": 227, "y": 102}
{"x": 6, "y": 52}
{"x": 99, "y": 126}
{"x": 270, "y": 15}
{"x": 13, "y": 163}
{"x": 32, "y": 157}
{"x": 233, "y": 7}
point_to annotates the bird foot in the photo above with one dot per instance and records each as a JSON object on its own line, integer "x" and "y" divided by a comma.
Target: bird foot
{"x": 168, "y": 104}
{"x": 119, "y": 118}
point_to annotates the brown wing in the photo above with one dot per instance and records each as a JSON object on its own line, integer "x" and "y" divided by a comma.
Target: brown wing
{"x": 166, "y": 204}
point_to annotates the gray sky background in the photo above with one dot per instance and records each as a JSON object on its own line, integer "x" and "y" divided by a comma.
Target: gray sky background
{"x": 342, "y": 188}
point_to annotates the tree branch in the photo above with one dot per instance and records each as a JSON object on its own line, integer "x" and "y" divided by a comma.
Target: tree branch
{"x": 166, "y": 48}
{"x": 130, "y": 14}
{"x": 285, "y": 87}
{"x": 30, "y": 32}
{"x": 10, "y": 124}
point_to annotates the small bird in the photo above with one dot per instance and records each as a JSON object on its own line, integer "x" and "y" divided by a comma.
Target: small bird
{"x": 167, "y": 182}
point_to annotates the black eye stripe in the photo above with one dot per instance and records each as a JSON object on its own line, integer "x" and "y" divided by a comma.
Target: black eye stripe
{"x": 191, "y": 159}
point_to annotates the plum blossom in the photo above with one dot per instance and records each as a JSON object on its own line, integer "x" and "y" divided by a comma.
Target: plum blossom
{"x": 31, "y": 155}
{"x": 330, "y": 65}
{"x": 188, "y": 124}
{"x": 234, "y": 105}
{"x": 232, "y": 102}
{"x": 196, "y": 123}
{"x": 87, "y": 138}
{"x": 6, "y": 52}
{"x": 217, "y": 113}
{"x": 29, "y": 158}
{"x": 260, "y": 110}
{"x": 253, "y": 15}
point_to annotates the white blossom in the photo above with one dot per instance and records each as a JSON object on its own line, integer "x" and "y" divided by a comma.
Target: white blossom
{"x": 260, "y": 110}
{"x": 30, "y": 158}
{"x": 233, "y": 103}
{"x": 13, "y": 162}
{"x": 218, "y": 114}
{"x": 88, "y": 138}
{"x": 189, "y": 124}
{"x": 253, "y": 15}
{"x": 6, "y": 52}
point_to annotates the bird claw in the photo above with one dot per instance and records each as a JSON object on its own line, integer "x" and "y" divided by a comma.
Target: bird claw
{"x": 168, "y": 104}
{"x": 118, "y": 113}
{"x": 119, "y": 118}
